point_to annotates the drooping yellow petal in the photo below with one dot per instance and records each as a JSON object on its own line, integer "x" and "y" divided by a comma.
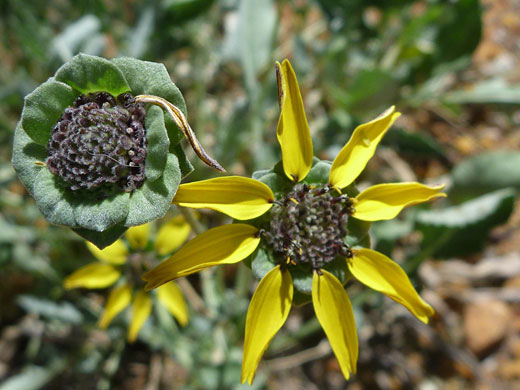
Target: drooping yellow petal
{"x": 267, "y": 313}
{"x": 293, "y": 129}
{"x": 354, "y": 156}
{"x": 94, "y": 275}
{"x": 170, "y": 295}
{"x": 137, "y": 236}
{"x": 385, "y": 201}
{"x": 117, "y": 301}
{"x": 239, "y": 197}
{"x": 116, "y": 253}
{"x": 378, "y": 272}
{"x": 334, "y": 312}
{"x": 141, "y": 309}
{"x": 226, "y": 244}
{"x": 172, "y": 235}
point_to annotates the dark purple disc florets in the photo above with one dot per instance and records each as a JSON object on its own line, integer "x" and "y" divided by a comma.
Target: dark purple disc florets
{"x": 309, "y": 226}
{"x": 100, "y": 143}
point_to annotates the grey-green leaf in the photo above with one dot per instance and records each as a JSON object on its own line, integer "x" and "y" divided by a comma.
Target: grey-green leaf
{"x": 261, "y": 264}
{"x": 358, "y": 233}
{"x": 99, "y": 214}
{"x": 33, "y": 377}
{"x": 464, "y": 228}
{"x": 158, "y": 143}
{"x": 417, "y": 144}
{"x": 104, "y": 238}
{"x": 63, "y": 312}
{"x": 277, "y": 183}
{"x": 319, "y": 173}
{"x": 153, "y": 199}
{"x": 302, "y": 279}
{"x": 486, "y": 172}
{"x": 88, "y": 74}
{"x": 62, "y": 206}
{"x": 488, "y": 91}
{"x": 25, "y": 154}
{"x": 302, "y": 276}
{"x": 250, "y": 39}
{"x": 274, "y": 178}
{"x": 184, "y": 164}
{"x": 50, "y": 198}
{"x": 151, "y": 78}
{"x": 43, "y": 107}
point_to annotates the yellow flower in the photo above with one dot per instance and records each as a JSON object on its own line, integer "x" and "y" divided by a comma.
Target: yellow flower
{"x": 122, "y": 263}
{"x": 302, "y": 227}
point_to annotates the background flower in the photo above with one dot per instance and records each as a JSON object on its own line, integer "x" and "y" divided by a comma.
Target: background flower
{"x": 121, "y": 264}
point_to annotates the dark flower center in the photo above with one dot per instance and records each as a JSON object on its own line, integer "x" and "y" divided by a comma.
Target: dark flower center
{"x": 100, "y": 143}
{"x": 308, "y": 226}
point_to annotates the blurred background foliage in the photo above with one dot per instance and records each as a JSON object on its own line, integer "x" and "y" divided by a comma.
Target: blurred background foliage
{"x": 451, "y": 67}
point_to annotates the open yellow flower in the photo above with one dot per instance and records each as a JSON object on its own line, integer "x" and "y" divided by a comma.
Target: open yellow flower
{"x": 122, "y": 263}
{"x": 302, "y": 229}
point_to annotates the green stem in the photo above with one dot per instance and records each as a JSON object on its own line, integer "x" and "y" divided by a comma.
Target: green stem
{"x": 190, "y": 217}
{"x": 242, "y": 282}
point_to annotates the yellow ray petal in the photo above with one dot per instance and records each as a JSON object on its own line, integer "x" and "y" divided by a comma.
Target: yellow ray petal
{"x": 382, "y": 274}
{"x": 293, "y": 129}
{"x": 113, "y": 254}
{"x": 171, "y": 297}
{"x": 385, "y": 201}
{"x": 226, "y": 244}
{"x": 95, "y": 275}
{"x": 117, "y": 301}
{"x": 334, "y": 312}
{"x": 172, "y": 235}
{"x": 267, "y": 313}
{"x": 239, "y": 197}
{"x": 137, "y": 236}
{"x": 141, "y": 309}
{"x": 354, "y": 156}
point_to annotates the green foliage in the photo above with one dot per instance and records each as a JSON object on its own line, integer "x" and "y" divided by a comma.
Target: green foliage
{"x": 26, "y": 154}
{"x": 319, "y": 173}
{"x": 33, "y": 377}
{"x": 274, "y": 178}
{"x": 88, "y": 74}
{"x": 384, "y": 56}
{"x": 250, "y": 40}
{"x": 152, "y": 200}
{"x": 44, "y": 107}
{"x": 484, "y": 173}
{"x": 149, "y": 78}
{"x": 158, "y": 143}
{"x": 488, "y": 91}
{"x": 459, "y": 31}
{"x": 419, "y": 145}
{"x": 60, "y": 312}
{"x": 104, "y": 238}
{"x": 176, "y": 11}
{"x": 463, "y": 229}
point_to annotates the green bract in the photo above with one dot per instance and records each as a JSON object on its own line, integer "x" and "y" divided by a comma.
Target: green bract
{"x": 101, "y": 219}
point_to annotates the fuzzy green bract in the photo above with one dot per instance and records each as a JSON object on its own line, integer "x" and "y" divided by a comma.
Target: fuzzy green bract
{"x": 261, "y": 261}
{"x": 101, "y": 220}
